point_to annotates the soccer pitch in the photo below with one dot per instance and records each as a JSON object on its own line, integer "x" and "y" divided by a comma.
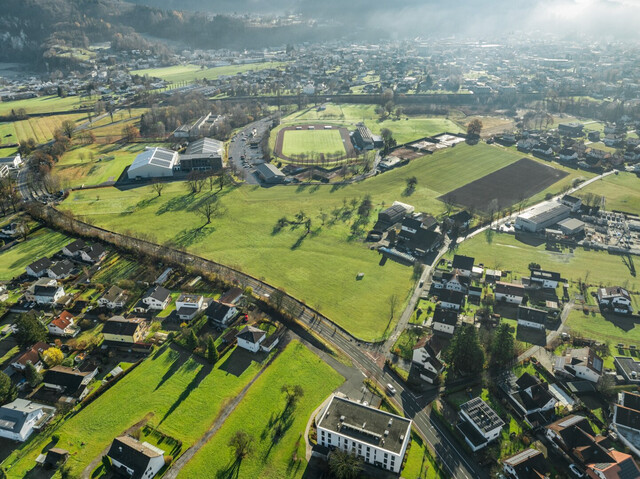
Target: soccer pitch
{"x": 308, "y": 142}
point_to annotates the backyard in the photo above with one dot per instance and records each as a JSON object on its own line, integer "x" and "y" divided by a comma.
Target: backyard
{"x": 43, "y": 242}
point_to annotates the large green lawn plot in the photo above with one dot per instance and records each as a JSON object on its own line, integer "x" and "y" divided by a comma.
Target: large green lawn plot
{"x": 263, "y": 412}
{"x": 174, "y": 391}
{"x": 319, "y": 268}
{"x": 43, "y": 242}
{"x": 189, "y": 73}
{"x": 621, "y": 192}
{"x": 309, "y": 142}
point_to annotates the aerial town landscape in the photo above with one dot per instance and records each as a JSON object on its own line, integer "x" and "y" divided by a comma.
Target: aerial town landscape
{"x": 253, "y": 240}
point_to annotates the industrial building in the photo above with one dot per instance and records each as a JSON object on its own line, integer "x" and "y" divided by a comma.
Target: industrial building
{"x": 153, "y": 163}
{"x": 376, "y": 436}
{"x": 571, "y": 226}
{"x": 542, "y": 216}
{"x": 202, "y": 155}
{"x": 269, "y": 173}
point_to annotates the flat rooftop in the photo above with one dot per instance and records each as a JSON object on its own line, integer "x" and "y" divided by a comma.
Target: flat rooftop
{"x": 366, "y": 424}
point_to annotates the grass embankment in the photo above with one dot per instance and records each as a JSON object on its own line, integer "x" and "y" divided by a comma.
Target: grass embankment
{"x": 262, "y": 412}
{"x": 319, "y": 268}
{"x": 175, "y": 391}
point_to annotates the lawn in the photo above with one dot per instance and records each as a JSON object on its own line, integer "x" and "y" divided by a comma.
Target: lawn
{"x": 505, "y": 252}
{"x": 319, "y": 268}
{"x": 621, "y": 192}
{"x": 405, "y": 129}
{"x": 43, "y": 242}
{"x": 41, "y": 128}
{"x": 181, "y": 396}
{"x": 95, "y": 164}
{"x": 116, "y": 268}
{"x": 189, "y": 73}
{"x": 7, "y": 134}
{"x": 46, "y": 104}
{"x": 261, "y": 411}
{"x": 419, "y": 463}
{"x": 305, "y": 142}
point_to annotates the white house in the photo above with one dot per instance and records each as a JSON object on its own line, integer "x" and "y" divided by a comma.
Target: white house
{"x": 444, "y": 321}
{"x": 451, "y": 299}
{"x": 157, "y": 298}
{"x": 39, "y": 268}
{"x": 133, "y": 458}
{"x": 63, "y": 325}
{"x": 375, "y": 436}
{"x": 426, "y": 361}
{"x": 48, "y": 294}
{"x": 93, "y": 253}
{"x": 11, "y": 162}
{"x": 615, "y": 298}
{"x": 582, "y": 363}
{"x": 114, "y": 298}
{"x": 251, "y": 338}
{"x": 30, "y": 295}
{"x": 221, "y": 313}
{"x": 526, "y": 464}
{"x": 509, "y": 292}
{"x": 32, "y": 355}
{"x": 61, "y": 269}
{"x": 188, "y": 306}
{"x": 20, "y": 418}
{"x": 153, "y": 163}
{"x": 532, "y": 395}
{"x": 456, "y": 281}
{"x": 464, "y": 264}
{"x": 479, "y": 423}
{"x": 72, "y": 250}
{"x": 532, "y": 318}
{"x": 572, "y": 202}
{"x": 546, "y": 279}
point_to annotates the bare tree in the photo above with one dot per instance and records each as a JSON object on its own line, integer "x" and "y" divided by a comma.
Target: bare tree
{"x": 157, "y": 186}
{"x": 209, "y": 208}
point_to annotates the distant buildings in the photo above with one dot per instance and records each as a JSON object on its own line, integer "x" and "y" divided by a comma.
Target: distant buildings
{"x": 377, "y": 437}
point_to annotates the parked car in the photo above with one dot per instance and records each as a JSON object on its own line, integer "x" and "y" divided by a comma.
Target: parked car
{"x": 576, "y": 471}
{"x": 391, "y": 389}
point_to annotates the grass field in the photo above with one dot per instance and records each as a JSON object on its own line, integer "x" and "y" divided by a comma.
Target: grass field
{"x": 181, "y": 395}
{"x": 41, "y": 128}
{"x": 319, "y": 269}
{"x": 96, "y": 163}
{"x": 8, "y": 133}
{"x": 43, "y": 242}
{"x": 46, "y": 104}
{"x": 304, "y": 142}
{"x": 260, "y": 411}
{"x": 404, "y": 129}
{"x": 419, "y": 465}
{"x": 189, "y": 73}
{"x": 621, "y": 192}
{"x": 505, "y": 252}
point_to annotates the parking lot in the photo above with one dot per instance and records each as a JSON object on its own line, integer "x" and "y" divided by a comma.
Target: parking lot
{"x": 245, "y": 151}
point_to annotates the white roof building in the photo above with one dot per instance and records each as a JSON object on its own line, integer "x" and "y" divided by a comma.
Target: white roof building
{"x": 153, "y": 163}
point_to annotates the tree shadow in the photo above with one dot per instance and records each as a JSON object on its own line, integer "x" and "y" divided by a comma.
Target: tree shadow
{"x": 232, "y": 471}
{"x": 146, "y": 202}
{"x": 277, "y": 427}
{"x": 178, "y": 203}
{"x": 336, "y": 187}
{"x": 299, "y": 241}
{"x": 178, "y": 361}
{"x": 190, "y": 236}
{"x": 408, "y": 191}
{"x": 239, "y": 361}
{"x": 195, "y": 382}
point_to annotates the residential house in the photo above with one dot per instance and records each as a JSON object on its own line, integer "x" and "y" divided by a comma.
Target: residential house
{"x": 618, "y": 466}
{"x": 568, "y": 155}
{"x": 135, "y": 459}
{"x": 615, "y": 298}
{"x": 426, "y": 360}
{"x": 20, "y": 418}
{"x": 456, "y": 281}
{"x": 582, "y": 363}
{"x": 157, "y": 298}
{"x": 93, "y": 253}
{"x": 461, "y": 220}
{"x": 120, "y": 330}
{"x": 63, "y": 325}
{"x": 444, "y": 321}
{"x": 375, "y": 436}
{"x": 114, "y": 298}
{"x": 527, "y": 464}
{"x": 479, "y": 424}
{"x": 546, "y": 279}
{"x": 492, "y": 276}
{"x": 509, "y": 292}
{"x": 530, "y": 397}
{"x": 532, "y": 317}
{"x": 232, "y": 296}
{"x": 221, "y": 313}
{"x": 474, "y": 294}
{"x": 32, "y": 355}
{"x": 30, "y": 293}
{"x": 572, "y": 202}
{"x": 451, "y": 299}
{"x": 39, "y": 268}
{"x": 68, "y": 382}
{"x": 189, "y": 305}
{"x": 464, "y": 264}
{"x": 72, "y": 250}
{"x": 61, "y": 269}
{"x": 251, "y": 338}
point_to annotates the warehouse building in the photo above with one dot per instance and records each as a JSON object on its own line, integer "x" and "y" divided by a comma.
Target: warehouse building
{"x": 571, "y": 226}
{"x": 542, "y": 216}
{"x": 153, "y": 163}
{"x": 202, "y": 155}
{"x": 269, "y": 173}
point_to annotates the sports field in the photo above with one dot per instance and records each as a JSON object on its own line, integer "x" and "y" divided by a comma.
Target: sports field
{"x": 262, "y": 412}
{"x": 312, "y": 142}
{"x": 189, "y": 73}
{"x": 173, "y": 390}
{"x": 621, "y": 192}
{"x": 319, "y": 268}
{"x": 405, "y": 129}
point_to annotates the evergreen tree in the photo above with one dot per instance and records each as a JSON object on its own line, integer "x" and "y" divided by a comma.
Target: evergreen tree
{"x": 8, "y": 391}
{"x": 465, "y": 353}
{"x": 192, "y": 340}
{"x": 32, "y": 375}
{"x": 502, "y": 346}
{"x": 212, "y": 351}
{"x": 29, "y": 330}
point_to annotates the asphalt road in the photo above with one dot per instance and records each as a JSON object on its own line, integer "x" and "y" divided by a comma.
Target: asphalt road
{"x": 240, "y": 153}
